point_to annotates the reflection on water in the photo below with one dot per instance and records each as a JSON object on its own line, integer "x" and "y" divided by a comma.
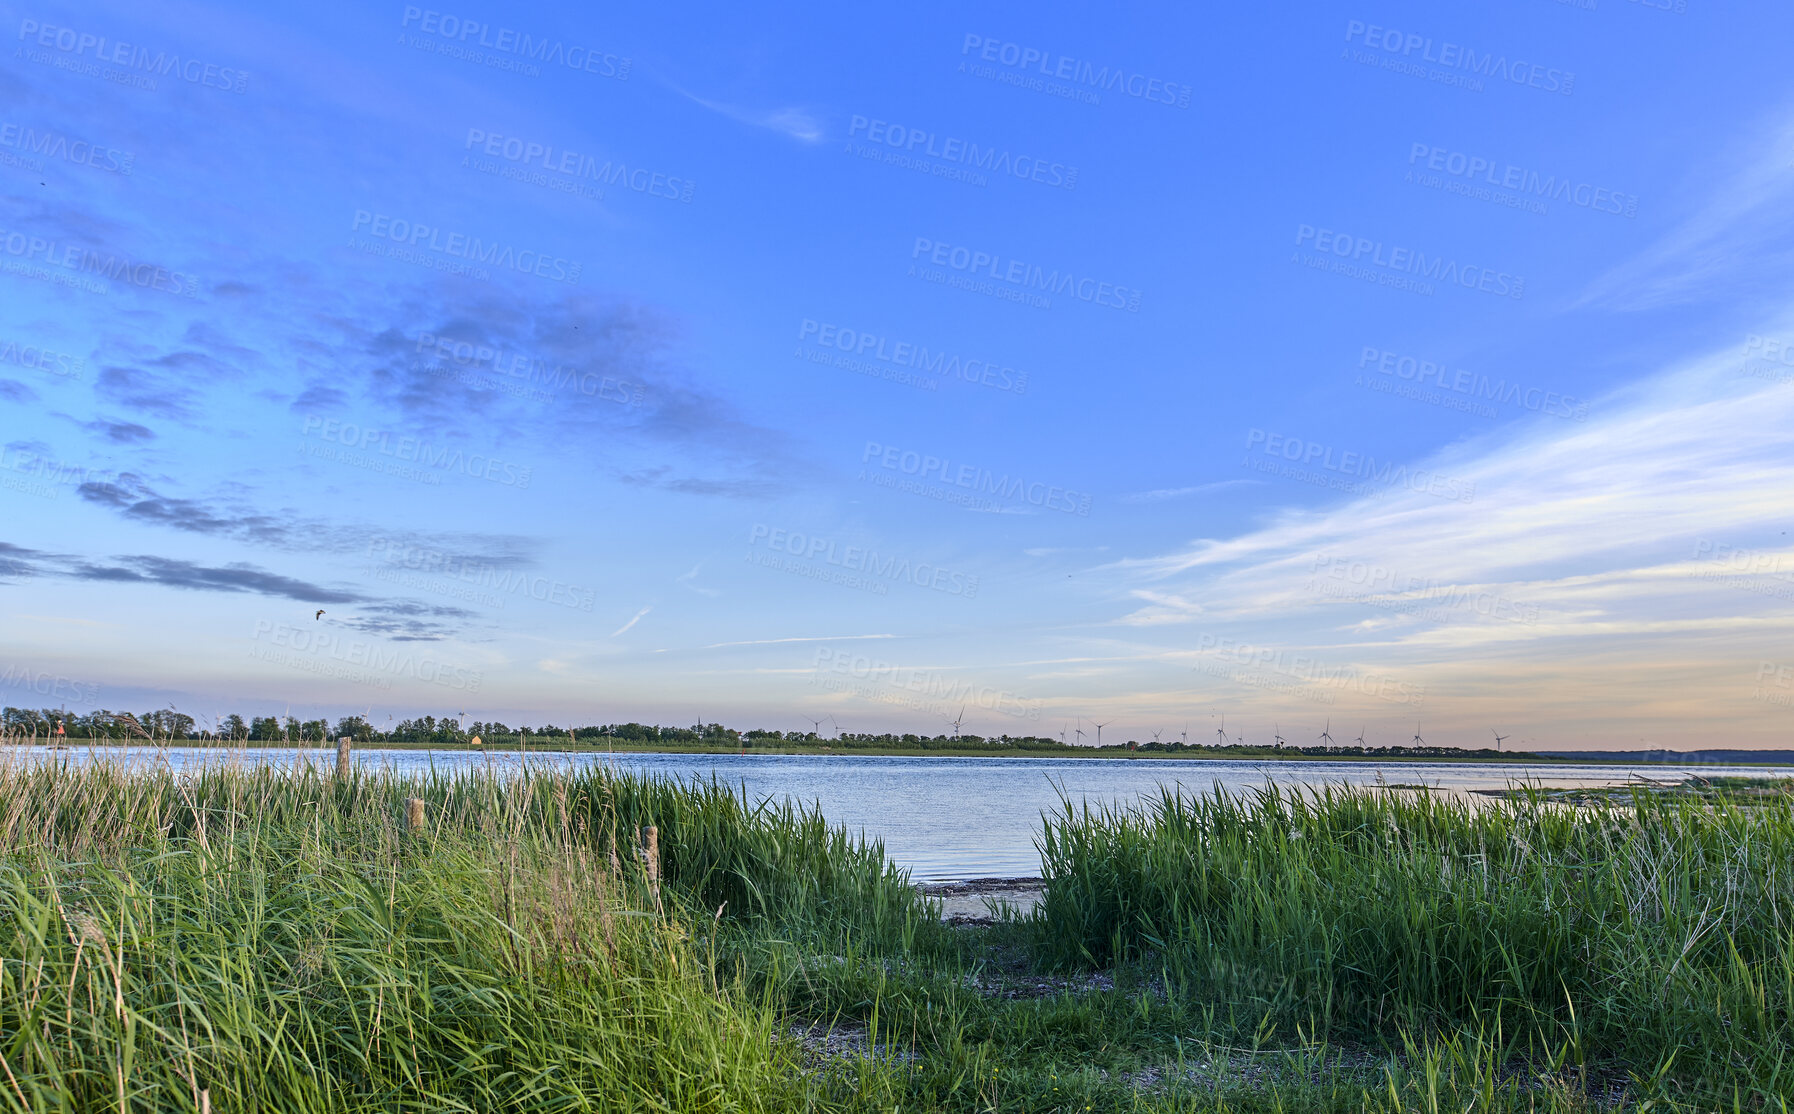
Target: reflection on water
{"x": 953, "y": 818}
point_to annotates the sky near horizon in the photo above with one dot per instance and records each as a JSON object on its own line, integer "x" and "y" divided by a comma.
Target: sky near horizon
{"x": 1377, "y": 367}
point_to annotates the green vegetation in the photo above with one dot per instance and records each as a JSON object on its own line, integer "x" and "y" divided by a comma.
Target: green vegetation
{"x": 279, "y": 941}
{"x": 1647, "y": 936}
{"x": 171, "y": 728}
{"x": 276, "y": 940}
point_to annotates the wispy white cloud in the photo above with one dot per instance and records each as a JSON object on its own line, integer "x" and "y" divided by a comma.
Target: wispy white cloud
{"x": 1165, "y": 493}
{"x": 686, "y": 581}
{"x": 1054, "y": 550}
{"x": 777, "y": 641}
{"x": 1587, "y": 552}
{"x": 631, "y": 622}
{"x": 1722, "y": 249}
{"x": 791, "y": 121}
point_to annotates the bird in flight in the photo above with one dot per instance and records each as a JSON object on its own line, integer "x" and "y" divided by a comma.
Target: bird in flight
{"x": 319, "y": 615}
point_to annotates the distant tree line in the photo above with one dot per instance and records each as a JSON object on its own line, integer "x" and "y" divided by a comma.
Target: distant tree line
{"x": 154, "y": 725}
{"x": 40, "y": 724}
{"x": 1244, "y": 750}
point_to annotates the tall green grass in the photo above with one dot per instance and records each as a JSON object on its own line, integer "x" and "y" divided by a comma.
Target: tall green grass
{"x": 1655, "y": 935}
{"x": 718, "y": 848}
{"x": 269, "y": 939}
{"x": 265, "y": 938}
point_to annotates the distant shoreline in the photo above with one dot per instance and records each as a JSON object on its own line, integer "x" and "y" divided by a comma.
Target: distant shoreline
{"x": 545, "y": 745}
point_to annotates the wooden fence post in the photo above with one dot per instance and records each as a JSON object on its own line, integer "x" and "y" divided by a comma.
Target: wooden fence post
{"x": 342, "y": 758}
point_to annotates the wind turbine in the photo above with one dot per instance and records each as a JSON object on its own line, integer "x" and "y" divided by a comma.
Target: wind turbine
{"x": 1276, "y": 733}
{"x": 1186, "y": 735}
{"x": 1498, "y": 737}
{"x": 1326, "y": 731}
{"x": 1099, "y": 731}
{"x": 1081, "y": 732}
{"x": 1361, "y": 736}
{"x": 960, "y": 722}
{"x": 1418, "y": 741}
{"x": 1156, "y": 734}
{"x": 1221, "y": 732}
{"x": 816, "y": 725}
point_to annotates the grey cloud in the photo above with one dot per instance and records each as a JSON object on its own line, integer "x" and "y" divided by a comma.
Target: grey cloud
{"x": 235, "y": 577}
{"x": 122, "y": 433}
{"x": 148, "y": 392}
{"x": 400, "y": 620}
{"x": 664, "y": 479}
{"x": 567, "y": 368}
{"x": 320, "y": 398}
{"x": 169, "y": 382}
{"x": 613, "y": 387}
{"x": 409, "y": 621}
{"x": 234, "y": 516}
{"x": 66, "y": 222}
{"x": 197, "y": 363}
{"x": 217, "y": 346}
{"x": 133, "y": 498}
{"x": 19, "y": 563}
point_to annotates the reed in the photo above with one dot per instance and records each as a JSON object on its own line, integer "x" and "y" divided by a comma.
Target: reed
{"x": 251, "y": 937}
{"x": 1654, "y": 934}
{"x": 769, "y": 859}
{"x": 278, "y": 940}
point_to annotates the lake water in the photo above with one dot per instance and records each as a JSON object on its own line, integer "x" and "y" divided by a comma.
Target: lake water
{"x": 957, "y": 818}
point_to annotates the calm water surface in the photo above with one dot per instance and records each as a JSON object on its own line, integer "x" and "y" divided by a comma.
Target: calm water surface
{"x": 955, "y": 818}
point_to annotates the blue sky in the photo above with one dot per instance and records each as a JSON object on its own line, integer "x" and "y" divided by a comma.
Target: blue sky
{"x": 1387, "y": 364}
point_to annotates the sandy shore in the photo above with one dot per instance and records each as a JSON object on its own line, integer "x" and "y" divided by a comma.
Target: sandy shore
{"x": 984, "y": 900}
